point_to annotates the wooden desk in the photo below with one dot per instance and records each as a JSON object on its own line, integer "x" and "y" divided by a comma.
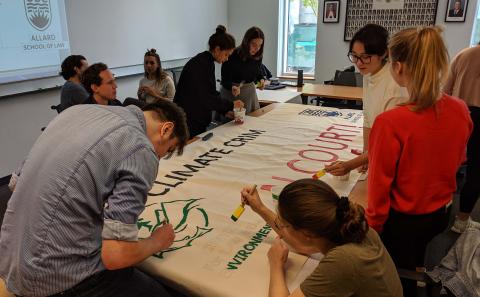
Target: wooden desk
{"x": 330, "y": 91}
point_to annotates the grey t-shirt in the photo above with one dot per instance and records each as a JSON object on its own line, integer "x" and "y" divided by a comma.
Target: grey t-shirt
{"x": 85, "y": 179}
{"x": 72, "y": 94}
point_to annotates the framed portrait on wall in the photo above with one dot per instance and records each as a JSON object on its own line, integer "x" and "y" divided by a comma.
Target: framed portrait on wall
{"x": 331, "y": 11}
{"x": 393, "y": 15}
{"x": 456, "y": 11}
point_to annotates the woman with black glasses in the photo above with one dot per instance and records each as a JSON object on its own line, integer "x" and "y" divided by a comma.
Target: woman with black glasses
{"x": 368, "y": 51}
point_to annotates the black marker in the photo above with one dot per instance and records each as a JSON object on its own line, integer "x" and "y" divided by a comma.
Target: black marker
{"x": 207, "y": 136}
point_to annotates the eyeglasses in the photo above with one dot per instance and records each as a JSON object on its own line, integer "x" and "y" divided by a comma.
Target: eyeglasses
{"x": 365, "y": 59}
{"x": 278, "y": 224}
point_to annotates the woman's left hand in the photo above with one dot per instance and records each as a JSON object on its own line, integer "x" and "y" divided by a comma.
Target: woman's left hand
{"x": 278, "y": 253}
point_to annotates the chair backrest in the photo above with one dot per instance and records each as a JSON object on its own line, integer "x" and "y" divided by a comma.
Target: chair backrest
{"x": 176, "y": 74}
{"x": 345, "y": 78}
{"x": 57, "y": 108}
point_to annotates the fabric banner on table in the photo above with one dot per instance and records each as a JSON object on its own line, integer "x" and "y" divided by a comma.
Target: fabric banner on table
{"x": 197, "y": 192}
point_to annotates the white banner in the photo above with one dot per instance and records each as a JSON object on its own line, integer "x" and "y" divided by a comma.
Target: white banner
{"x": 197, "y": 192}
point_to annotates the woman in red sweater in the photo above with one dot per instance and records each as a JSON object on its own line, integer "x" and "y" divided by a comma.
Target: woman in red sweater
{"x": 415, "y": 151}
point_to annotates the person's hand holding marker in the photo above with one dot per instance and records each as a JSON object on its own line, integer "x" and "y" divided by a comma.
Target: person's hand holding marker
{"x": 249, "y": 197}
{"x": 338, "y": 168}
{"x": 163, "y": 236}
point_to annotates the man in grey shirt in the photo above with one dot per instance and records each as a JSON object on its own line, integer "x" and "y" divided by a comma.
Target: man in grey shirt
{"x": 73, "y": 92}
{"x": 70, "y": 226}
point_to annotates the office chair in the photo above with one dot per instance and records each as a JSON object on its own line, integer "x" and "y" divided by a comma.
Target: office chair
{"x": 57, "y": 108}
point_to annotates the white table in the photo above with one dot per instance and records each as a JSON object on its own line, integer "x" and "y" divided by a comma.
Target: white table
{"x": 287, "y": 94}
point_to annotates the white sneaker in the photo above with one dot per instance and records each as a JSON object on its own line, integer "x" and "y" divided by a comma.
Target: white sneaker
{"x": 461, "y": 225}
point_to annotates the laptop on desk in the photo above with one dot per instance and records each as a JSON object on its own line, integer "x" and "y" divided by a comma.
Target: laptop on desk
{"x": 274, "y": 87}
{"x": 289, "y": 83}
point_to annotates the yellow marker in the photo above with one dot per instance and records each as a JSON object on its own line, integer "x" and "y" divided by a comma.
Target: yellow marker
{"x": 241, "y": 208}
{"x": 237, "y": 213}
{"x": 319, "y": 174}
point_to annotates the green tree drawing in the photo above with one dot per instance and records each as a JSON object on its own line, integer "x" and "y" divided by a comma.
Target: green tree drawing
{"x": 185, "y": 233}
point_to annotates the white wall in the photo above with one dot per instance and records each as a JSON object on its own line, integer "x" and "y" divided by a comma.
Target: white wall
{"x": 22, "y": 116}
{"x": 331, "y": 49}
{"x": 243, "y": 14}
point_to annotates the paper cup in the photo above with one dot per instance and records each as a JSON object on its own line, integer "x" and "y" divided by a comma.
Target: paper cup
{"x": 239, "y": 115}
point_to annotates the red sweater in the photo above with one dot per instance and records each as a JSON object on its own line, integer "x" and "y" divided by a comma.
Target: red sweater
{"x": 414, "y": 157}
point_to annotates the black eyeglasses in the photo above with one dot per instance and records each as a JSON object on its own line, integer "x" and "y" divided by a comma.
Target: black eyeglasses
{"x": 365, "y": 59}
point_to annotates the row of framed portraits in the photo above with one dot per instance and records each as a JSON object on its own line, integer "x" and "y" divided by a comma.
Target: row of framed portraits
{"x": 399, "y": 14}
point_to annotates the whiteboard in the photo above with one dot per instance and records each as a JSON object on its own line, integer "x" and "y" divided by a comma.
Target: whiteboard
{"x": 118, "y": 33}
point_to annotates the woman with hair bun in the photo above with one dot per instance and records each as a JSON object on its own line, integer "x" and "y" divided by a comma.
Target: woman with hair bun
{"x": 196, "y": 90}
{"x": 311, "y": 218}
{"x": 156, "y": 85}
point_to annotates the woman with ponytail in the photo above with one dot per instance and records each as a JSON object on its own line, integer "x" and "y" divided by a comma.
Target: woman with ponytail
{"x": 196, "y": 90}
{"x": 311, "y": 218}
{"x": 415, "y": 151}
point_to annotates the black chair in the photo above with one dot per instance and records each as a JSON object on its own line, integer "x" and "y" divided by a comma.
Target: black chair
{"x": 176, "y": 72}
{"x": 432, "y": 289}
{"x": 57, "y": 108}
{"x": 347, "y": 77}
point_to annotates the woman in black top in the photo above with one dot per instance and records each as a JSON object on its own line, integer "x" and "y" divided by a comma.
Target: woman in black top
{"x": 196, "y": 91}
{"x": 243, "y": 70}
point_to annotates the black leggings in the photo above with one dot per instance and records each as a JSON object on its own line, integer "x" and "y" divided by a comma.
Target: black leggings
{"x": 471, "y": 188}
{"x": 406, "y": 238}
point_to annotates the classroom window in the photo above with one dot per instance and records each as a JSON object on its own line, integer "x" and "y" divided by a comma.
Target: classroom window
{"x": 299, "y": 38}
{"x": 476, "y": 28}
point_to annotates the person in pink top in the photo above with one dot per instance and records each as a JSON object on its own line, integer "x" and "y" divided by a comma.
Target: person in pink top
{"x": 463, "y": 82}
{"x": 415, "y": 151}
